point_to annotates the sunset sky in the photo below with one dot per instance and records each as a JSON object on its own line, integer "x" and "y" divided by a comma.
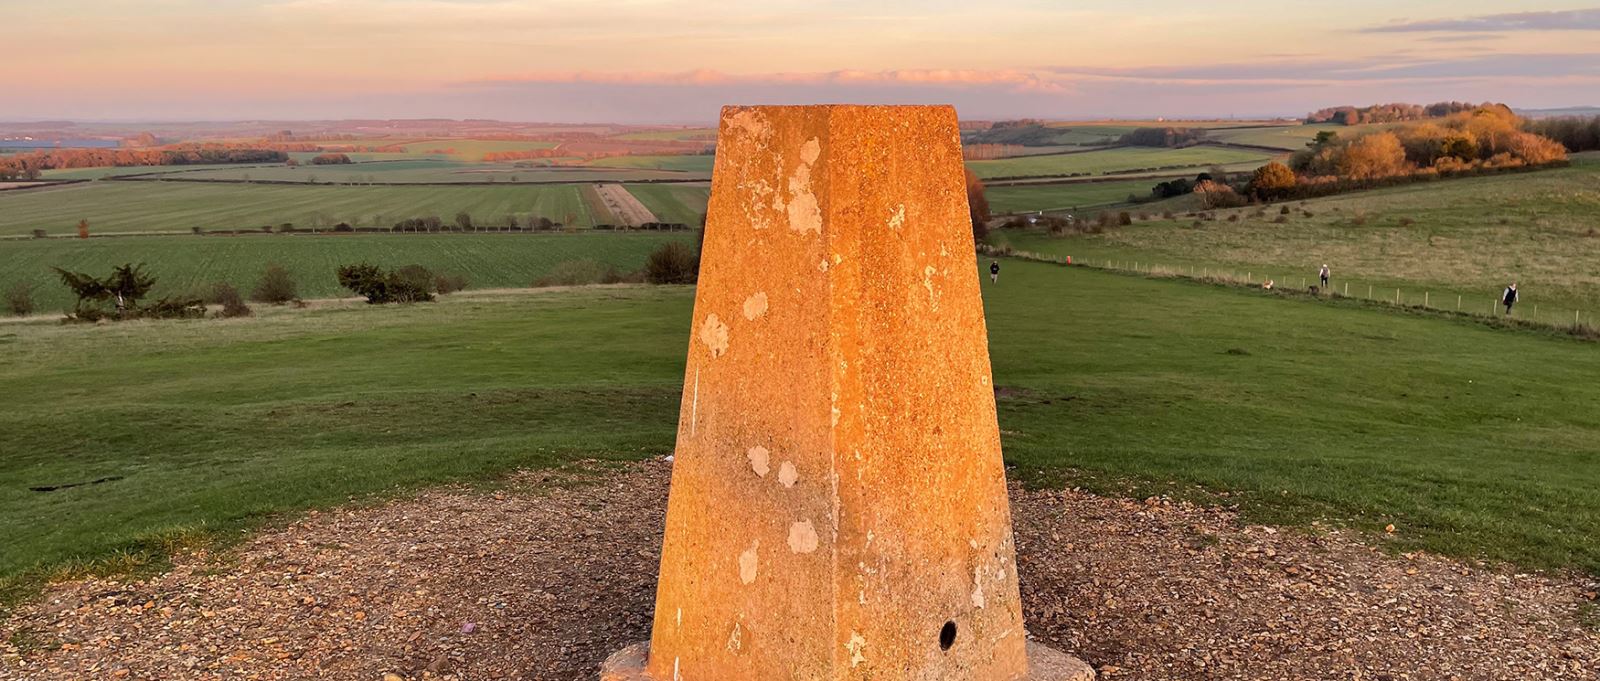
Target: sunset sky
{"x": 676, "y": 61}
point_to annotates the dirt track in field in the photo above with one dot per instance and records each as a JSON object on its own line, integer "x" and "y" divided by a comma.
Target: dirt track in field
{"x": 624, "y": 205}
{"x": 544, "y": 577}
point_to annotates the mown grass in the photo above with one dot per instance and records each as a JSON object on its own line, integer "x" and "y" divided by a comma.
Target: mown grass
{"x": 685, "y": 204}
{"x": 1467, "y": 237}
{"x": 1020, "y": 198}
{"x": 1115, "y": 160}
{"x": 180, "y": 206}
{"x": 428, "y": 170}
{"x": 189, "y": 264}
{"x": 1472, "y": 441}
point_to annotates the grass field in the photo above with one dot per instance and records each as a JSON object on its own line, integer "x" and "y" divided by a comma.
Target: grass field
{"x": 1289, "y": 137}
{"x": 97, "y": 173}
{"x": 1115, "y": 160}
{"x": 185, "y": 264}
{"x": 1022, "y": 198}
{"x": 681, "y": 203}
{"x": 1471, "y": 441}
{"x": 431, "y": 170}
{"x": 1467, "y": 237}
{"x": 666, "y": 135}
{"x": 471, "y": 149}
{"x": 696, "y": 164}
{"x": 179, "y": 206}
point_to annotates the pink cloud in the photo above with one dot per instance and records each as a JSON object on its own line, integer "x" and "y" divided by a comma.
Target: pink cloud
{"x": 1009, "y": 79}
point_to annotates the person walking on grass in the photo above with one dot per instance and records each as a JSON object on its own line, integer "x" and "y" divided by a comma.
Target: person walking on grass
{"x": 1323, "y": 275}
{"x": 994, "y": 271}
{"x": 1509, "y": 298}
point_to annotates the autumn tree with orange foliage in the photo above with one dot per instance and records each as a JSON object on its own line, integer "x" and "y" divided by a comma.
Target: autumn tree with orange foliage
{"x": 1486, "y": 138}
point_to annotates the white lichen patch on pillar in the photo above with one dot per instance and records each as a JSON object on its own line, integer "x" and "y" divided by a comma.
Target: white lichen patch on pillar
{"x": 747, "y": 564}
{"x": 759, "y": 460}
{"x": 855, "y": 645}
{"x": 787, "y": 475}
{"x": 802, "y": 537}
{"x": 714, "y": 334}
{"x": 755, "y": 306}
{"x": 805, "y": 215}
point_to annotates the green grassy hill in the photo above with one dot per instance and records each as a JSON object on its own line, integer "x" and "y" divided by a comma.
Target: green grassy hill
{"x": 1470, "y": 440}
{"x": 1466, "y": 237}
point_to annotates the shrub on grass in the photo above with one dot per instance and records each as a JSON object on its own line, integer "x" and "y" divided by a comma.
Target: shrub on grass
{"x": 172, "y": 308}
{"x": 276, "y": 286}
{"x": 1407, "y": 222}
{"x": 121, "y": 290}
{"x": 1281, "y": 220}
{"x": 409, "y": 284}
{"x": 1359, "y": 219}
{"x": 673, "y": 263}
{"x": 224, "y": 294}
{"x": 579, "y": 273}
{"x": 1124, "y": 219}
{"x": 19, "y": 299}
{"x": 449, "y": 283}
{"x": 1283, "y": 211}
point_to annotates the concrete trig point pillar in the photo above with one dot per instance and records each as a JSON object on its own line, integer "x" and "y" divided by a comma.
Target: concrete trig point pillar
{"x": 838, "y": 505}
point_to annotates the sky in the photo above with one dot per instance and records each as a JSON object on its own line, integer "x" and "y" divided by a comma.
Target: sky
{"x": 678, "y": 61}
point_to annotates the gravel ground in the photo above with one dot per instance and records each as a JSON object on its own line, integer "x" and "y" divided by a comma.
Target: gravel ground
{"x": 544, "y": 578}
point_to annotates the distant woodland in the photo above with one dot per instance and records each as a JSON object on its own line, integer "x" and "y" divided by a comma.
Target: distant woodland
{"x": 1390, "y": 113}
{"x": 29, "y": 166}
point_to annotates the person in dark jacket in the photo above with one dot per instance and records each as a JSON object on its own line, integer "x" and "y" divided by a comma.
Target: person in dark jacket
{"x": 1509, "y": 298}
{"x": 994, "y": 271}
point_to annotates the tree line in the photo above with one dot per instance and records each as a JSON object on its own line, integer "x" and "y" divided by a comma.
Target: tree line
{"x": 1390, "y": 113}
{"x": 1573, "y": 132}
{"x": 1171, "y": 138}
{"x": 28, "y": 166}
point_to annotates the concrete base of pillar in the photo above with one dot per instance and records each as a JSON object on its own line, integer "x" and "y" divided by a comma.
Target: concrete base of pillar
{"x": 1044, "y": 664}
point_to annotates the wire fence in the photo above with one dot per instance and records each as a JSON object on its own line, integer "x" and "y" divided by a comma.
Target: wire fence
{"x": 1524, "y": 313}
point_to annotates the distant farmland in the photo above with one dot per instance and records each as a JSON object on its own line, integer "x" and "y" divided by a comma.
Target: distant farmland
{"x": 1035, "y": 197}
{"x": 186, "y": 264}
{"x": 180, "y": 206}
{"x": 1122, "y": 159}
{"x": 429, "y": 170}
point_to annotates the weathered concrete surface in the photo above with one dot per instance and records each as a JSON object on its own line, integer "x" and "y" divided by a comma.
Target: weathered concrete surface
{"x": 1044, "y": 664}
{"x": 838, "y": 505}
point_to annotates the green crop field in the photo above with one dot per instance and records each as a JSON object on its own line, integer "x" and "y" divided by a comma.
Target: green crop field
{"x": 1116, "y": 160}
{"x": 189, "y": 264}
{"x": 100, "y": 172}
{"x": 426, "y": 170}
{"x": 1288, "y": 137}
{"x": 118, "y": 206}
{"x": 1020, "y": 198}
{"x": 682, "y": 203}
{"x": 694, "y": 134}
{"x": 1464, "y": 237}
{"x": 1470, "y": 440}
{"x": 698, "y": 164}
{"x": 472, "y": 149}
